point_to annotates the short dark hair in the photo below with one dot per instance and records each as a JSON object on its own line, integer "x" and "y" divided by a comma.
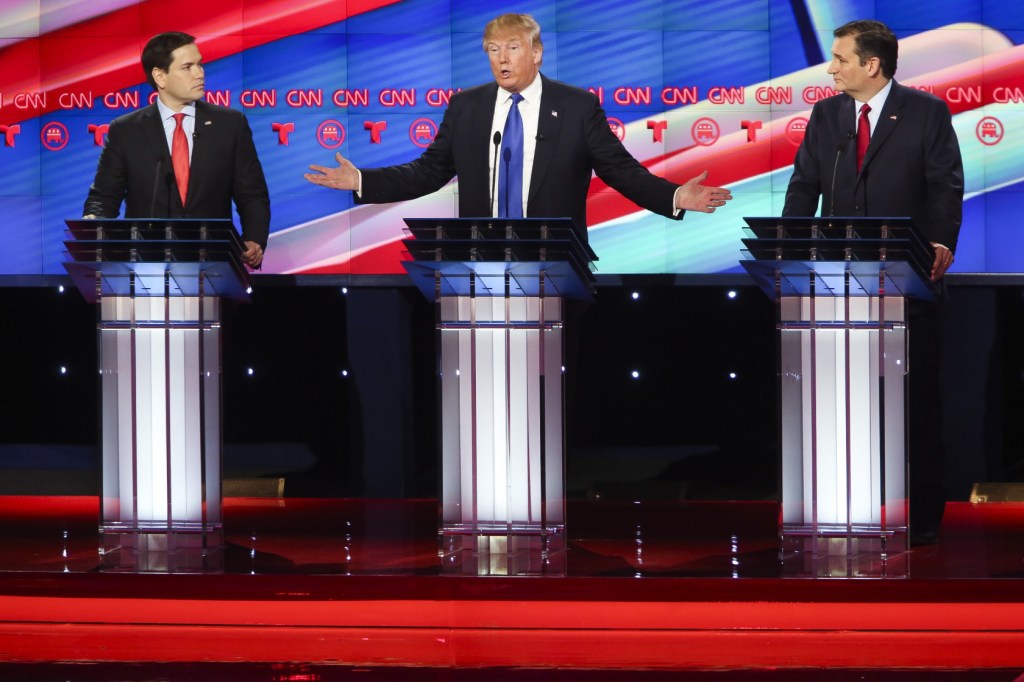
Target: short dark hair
{"x": 873, "y": 39}
{"x": 157, "y": 53}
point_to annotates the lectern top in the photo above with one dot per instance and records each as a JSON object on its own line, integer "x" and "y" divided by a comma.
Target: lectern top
{"x": 117, "y": 229}
{"x": 498, "y": 229}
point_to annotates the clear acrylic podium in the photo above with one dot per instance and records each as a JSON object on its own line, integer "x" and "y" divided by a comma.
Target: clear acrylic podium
{"x": 841, "y": 287}
{"x": 500, "y": 287}
{"x": 157, "y": 285}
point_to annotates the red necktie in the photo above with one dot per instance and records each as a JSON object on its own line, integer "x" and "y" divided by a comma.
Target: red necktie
{"x": 863, "y": 135}
{"x": 179, "y": 157}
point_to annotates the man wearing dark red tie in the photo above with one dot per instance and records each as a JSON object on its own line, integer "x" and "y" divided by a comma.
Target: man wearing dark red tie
{"x": 182, "y": 157}
{"x": 904, "y": 161}
{"x": 524, "y": 145}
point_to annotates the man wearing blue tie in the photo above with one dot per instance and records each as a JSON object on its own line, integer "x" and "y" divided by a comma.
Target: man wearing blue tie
{"x": 524, "y": 145}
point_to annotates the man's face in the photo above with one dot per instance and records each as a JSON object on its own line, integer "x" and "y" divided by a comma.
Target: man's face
{"x": 857, "y": 80}
{"x": 183, "y": 82}
{"x": 513, "y": 62}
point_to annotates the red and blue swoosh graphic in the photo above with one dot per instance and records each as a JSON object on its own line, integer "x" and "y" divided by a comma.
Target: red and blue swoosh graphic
{"x": 370, "y": 79}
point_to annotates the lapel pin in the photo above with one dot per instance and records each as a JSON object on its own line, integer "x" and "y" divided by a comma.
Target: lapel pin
{"x": 893, "y": 117}
{"x": 554, "y": 114}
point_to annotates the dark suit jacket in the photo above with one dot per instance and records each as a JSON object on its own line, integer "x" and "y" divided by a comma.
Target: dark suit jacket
{"x": 573, "y": 140}
{"x": 135, "y": 167}
{"x": 912, "y": 166}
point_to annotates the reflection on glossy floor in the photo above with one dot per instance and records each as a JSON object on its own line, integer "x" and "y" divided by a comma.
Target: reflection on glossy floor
{"x": 331, "y": 588}
{"x": 607, "y": 539}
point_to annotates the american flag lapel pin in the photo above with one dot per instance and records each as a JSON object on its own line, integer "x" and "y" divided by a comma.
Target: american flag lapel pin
{"x": 554, "y": 114}
{"x": 210, "y": 123}
{"x": 893, "y": 117}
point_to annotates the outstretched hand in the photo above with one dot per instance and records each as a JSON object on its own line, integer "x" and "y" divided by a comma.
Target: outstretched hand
{"x": 344, "y": 176}
{"x": 693, "y": 196}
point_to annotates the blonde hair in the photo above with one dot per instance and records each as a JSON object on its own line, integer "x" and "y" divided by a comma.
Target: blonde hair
{"x": 514, "y": 23}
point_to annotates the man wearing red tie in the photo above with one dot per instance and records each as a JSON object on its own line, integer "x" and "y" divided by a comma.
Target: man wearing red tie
{"x": 182, "y": 157}
{"x": 881, "y": 149}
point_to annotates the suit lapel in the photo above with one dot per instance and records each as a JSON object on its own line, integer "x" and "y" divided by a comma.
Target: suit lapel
{"x": 892, "y": 112}
{"x": 156, "y": 138}
{"x": 153, "y": 133}
{"x": 846, "y": 125}
{"x": 549, "y": 121}
{"x": 201, "y": 145}
{"x": 483, "y": 117}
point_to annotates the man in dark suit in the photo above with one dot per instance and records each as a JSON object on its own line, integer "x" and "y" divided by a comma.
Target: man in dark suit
{"x": 882, "y": 149}
{"x": 181, "y": 157}
{"x": 565, "y": 137}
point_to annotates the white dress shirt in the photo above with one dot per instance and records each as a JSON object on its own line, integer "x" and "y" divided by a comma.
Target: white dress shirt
{"x": 188, "y": 124}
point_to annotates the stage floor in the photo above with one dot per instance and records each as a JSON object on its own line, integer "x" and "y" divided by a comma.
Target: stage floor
{"x": 343, "y": 585}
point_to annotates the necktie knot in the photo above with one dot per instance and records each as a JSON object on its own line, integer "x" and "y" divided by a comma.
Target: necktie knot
{"x": 516, "y": 98}
{"x": 865, "y": 110}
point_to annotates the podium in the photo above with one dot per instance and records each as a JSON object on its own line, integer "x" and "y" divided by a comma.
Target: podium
{"x": 157, "y": 285}
{"x": 500, "y": 287}
{"x": 841, "y": 286}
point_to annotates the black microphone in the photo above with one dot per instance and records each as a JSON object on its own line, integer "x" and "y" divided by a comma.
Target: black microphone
{"x": 170, "y": 183}
{"x": 494, "y": 176}
{"x": 507, "y": 157}
{"x": 540, "y": 138}
{"x": 835, "y": 167}
{"x": 156, "y": 184}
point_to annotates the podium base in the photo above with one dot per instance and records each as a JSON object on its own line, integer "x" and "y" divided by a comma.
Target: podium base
{"x": 842, "y": 551}
{"x": 191, "y": 548}
{"x": 502, "y": 551}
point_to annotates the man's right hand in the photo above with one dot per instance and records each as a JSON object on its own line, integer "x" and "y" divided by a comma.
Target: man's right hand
{"x": 345, "y": 176}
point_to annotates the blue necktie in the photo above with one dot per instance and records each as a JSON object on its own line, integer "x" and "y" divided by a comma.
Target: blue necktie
{"x": 510, "y": 186}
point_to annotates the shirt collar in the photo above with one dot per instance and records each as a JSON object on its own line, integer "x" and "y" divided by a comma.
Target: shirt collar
{"x": 878, "y": 101}
{"x": 166, "y": 112}
{"x": 531, "y": 93}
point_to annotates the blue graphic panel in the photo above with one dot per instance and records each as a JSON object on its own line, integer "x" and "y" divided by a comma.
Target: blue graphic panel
{"x": 374, "y": 87}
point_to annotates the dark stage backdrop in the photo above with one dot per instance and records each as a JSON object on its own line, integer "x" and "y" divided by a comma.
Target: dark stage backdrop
{"x": 723, "y": 85}
{"x": 335, "y": 390}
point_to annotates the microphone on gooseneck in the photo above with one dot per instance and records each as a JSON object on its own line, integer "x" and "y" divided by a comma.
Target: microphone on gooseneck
{"x": 494, "y": 176}
{"x": 507, "y": 158}
{"x": 156, "y": 184}
{"x": 835, "y": 167}
{"x": 171, "y": 186}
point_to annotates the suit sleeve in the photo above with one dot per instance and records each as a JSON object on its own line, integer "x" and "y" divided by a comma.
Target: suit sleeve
{"x": 620, "y": 170}
{"x": 107, "y": 192}
{"x": 805, "y": 186}
{"x": 424, "y": 175}
{"x": 249, "y": 191}
{"x": 944, "y": 175}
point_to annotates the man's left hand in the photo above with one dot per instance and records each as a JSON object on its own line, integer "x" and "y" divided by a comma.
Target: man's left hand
{"x": 693, "y": 196}
{"x": 253, "y": 255}
{"x": 943, "y": 259}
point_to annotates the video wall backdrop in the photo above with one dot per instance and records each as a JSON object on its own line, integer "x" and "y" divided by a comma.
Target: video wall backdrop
{"x": 723, "y": 85}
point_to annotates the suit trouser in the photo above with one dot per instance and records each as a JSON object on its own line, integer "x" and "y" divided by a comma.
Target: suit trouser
{"x": 926, "y": 440}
